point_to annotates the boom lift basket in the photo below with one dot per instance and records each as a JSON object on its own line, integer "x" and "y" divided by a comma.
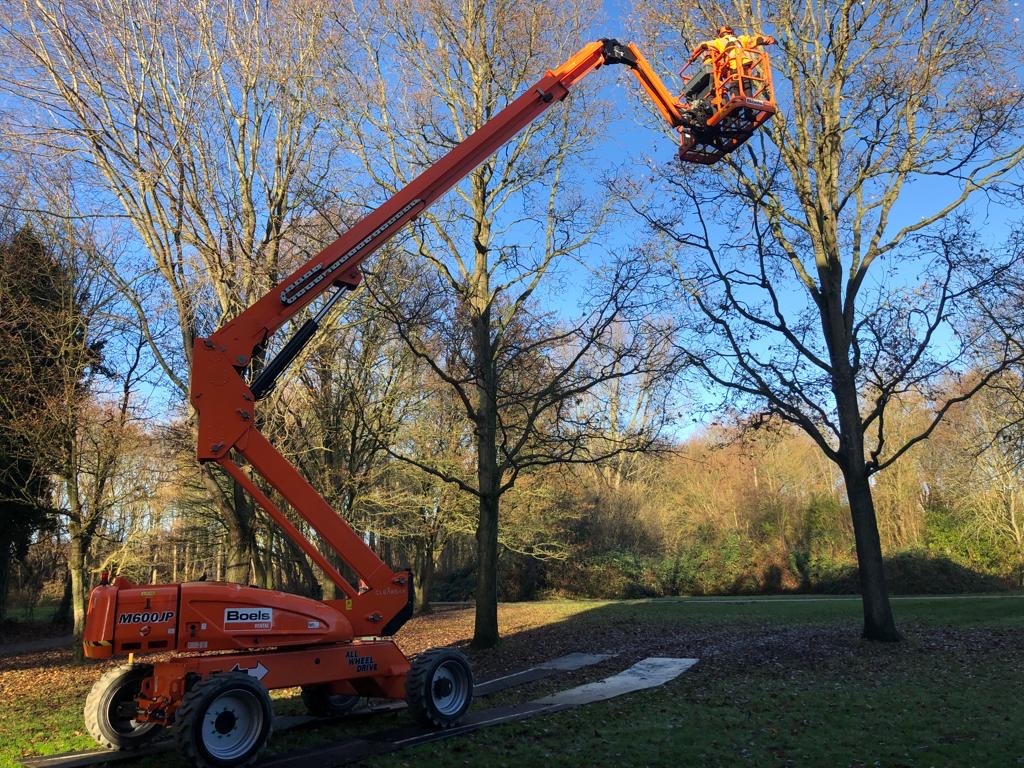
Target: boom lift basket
{"x": 737, "y": 84}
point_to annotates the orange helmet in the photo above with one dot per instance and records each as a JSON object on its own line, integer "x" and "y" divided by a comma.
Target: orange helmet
{"x": 724, "y": 30}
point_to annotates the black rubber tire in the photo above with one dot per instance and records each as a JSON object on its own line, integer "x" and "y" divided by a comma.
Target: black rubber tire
{"x": 216, "y": 708}
{"x": 439, "y": 687}
{"x": 110, "y": 705}
{"x": 320, "y": 702}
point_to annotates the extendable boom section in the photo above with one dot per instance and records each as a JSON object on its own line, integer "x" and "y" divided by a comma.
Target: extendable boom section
{"x": 225, "y": 403}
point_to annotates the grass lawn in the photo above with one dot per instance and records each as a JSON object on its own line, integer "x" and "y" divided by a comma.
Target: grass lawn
{"x": 781, "y": 682}
{"x": 794, "y": 692}
{"x": 41, "y": 611}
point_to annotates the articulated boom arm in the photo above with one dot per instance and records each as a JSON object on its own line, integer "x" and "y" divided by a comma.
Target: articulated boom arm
{"x": 224, "y": 402}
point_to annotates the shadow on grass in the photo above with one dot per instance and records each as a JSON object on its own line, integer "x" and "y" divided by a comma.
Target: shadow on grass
{"x": 751, "y": 650}
{"x": 766, "y": 664}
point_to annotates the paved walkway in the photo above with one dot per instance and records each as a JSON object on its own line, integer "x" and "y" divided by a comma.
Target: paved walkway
{"x": 34, "y": 646}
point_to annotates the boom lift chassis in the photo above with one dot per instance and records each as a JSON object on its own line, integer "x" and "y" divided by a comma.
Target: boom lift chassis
{"x": 230, "y": 644}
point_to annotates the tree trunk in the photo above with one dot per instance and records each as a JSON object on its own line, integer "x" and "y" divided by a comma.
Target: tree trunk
{"x": 308, "y": 582}
{"x": 265, "y": 559}
{"x": 5, "y": 571}
{"x": 328, "y": 589}
{"x": 76, "y": 565}
{"x": 237, "y": 517}
{"x": 237, "y": 557}
{"x": 485, "y": 629}
{"x": 426, "y": 580}
{"x": 485, "y": 632}
{"x": 154, "y": 563}
{"x": 878, "y": 619}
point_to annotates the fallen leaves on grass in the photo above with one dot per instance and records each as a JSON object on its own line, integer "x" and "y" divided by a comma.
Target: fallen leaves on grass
{"x": 536, "y": 632}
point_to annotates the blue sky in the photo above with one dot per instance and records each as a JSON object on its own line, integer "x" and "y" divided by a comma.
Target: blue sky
{"x": 629, "y": 141}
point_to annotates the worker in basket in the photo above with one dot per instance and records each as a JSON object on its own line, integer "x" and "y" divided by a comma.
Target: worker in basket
{"x": 729, "y": 55}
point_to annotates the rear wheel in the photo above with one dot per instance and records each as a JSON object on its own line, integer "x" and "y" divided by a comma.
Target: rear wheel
{"x": 320, "y": 702}
{"x": 439, "y": 688}
{"x": 110, "y": 709}
{"x": 224, "y": 721}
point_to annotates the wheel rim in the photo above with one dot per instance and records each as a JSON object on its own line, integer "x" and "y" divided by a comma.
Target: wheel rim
{"x": 232, "y": 725}
{"x": 122, "y": 710}
{"x": 449, "y": 688}
{"x": 121, "y": 714}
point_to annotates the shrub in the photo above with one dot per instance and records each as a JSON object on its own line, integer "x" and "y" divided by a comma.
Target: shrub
{"x": 915, "y": 573}
{"x": 454, "y": 587}
{"x": 611, "y": 575}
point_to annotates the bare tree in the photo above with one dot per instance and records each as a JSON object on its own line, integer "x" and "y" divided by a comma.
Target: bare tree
{"x": 833, "y": 265}
{"x": 491, "y": 247}
{"x": 424, "y": 511}
{"x": 202, "y": 121}
{"x": 344, "y": 402}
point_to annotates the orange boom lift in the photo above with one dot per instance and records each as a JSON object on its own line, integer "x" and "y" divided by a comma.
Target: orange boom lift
{"x": 229, "y": 643}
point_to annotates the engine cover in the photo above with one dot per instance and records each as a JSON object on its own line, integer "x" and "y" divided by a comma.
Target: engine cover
{"x": 125, "y": 618}
{"x": 204, "y": 616}
{"x": 221, "y": 616}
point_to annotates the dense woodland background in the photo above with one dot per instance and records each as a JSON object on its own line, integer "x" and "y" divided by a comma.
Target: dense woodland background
{"x": 665, "y": 379}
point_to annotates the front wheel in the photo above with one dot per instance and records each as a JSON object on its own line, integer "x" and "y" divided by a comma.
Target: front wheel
{"x": 224, "y": 721}
{"x": 110, "y": 709}
{"x": 439, "y": 687}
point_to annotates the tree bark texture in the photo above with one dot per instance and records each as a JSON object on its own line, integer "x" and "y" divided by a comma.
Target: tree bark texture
{"x": 485, "y": 630}
{"x": 879, "y": 623}
{"x": 79, "y": 596}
